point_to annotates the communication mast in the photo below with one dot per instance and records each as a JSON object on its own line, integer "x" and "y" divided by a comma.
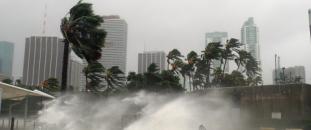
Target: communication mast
{"x": 44, "y": 19}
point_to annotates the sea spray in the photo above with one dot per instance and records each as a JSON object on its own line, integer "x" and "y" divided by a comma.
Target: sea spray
{"x": 140, "y": 111}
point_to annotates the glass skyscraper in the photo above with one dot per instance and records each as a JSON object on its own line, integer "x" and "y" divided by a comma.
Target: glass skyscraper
{"x": 250, "y": 38}
{"x": 6, "y": 58}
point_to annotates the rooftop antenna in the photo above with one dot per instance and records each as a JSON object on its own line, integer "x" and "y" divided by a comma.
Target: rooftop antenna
{"x": 275, "y": 67}
{"x": 44, "y": 19}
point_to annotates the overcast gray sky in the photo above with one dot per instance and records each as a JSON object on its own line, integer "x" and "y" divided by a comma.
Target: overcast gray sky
{"x": 167, "y": 24}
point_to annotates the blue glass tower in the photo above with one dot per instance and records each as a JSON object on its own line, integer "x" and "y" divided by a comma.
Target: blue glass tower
{"x": 6, "y": 58}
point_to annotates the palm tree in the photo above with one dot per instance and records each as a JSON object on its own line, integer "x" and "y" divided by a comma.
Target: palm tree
{"x": 173, "y": 56}
{"x": 51, "y": 84}
{"x": 153, "y": 68}
{"x": 95, "y": 73}
{"x": 251, "y": 67}
{"x": 80, "y": 30}
{"x": 231, "y": 46}
{"x": 152, "y": 77}
{"x": 184, "y": 69}
{"x": 212, "y": 52}
{"x": 242, "y": 58}
{"x": 192, "y": 58}
{"x": 134, "y": 81}
{"x": 218, "y": 75}
{"x": 114, "y": 78}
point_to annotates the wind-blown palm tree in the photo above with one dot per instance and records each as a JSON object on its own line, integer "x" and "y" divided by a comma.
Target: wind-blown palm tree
{"x": 192, "y": 59}
{"x": 231, "y": 46}
{"x": 173, "y": 56}
{"x": 95, "y": 73}
{"x": 251, "y": 67}
{"x": 80, "y": 30}
{"x": 114, "y": 78}
{"x": 212, "y": 52}
{"x": 242, "y": 58}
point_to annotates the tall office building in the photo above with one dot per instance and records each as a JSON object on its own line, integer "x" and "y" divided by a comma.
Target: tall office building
{"x": 114, "y": 52}
{"x": 221, "y": 37}
{"x": 250, "y": 38}
{"x": 6, "y": 58}
{"x": 43, "y": 59}
{"x": 75, "y": 70}
{"x": 147, "y": 58}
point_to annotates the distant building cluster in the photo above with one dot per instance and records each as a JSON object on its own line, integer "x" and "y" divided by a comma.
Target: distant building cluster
{"x": 295, "y": 74}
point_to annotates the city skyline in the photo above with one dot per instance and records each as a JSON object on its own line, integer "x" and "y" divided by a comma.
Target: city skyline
{"x": 284, "y": 26}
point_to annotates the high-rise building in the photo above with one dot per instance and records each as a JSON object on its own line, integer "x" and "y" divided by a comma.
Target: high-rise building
{"x": 310, "y": 21}
{"x": 6, "y": 58}
{"x": 114, "y": 52}
{"x": 147, "y": 58}
{"x": 42, "y": 60}
{"x": 221, "y": 37}
{"x": 75, "y": 70}
{"x": 250, "y": 38}
{"x": 296, "y": 74}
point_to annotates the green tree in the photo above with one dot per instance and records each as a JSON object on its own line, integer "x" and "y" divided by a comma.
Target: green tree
{"x": 51, "y": 84}
{"x": 94, "y": 74}
{"x": 7, "y": 81}
{"x": 192, "y": 58}
{"x": 251, "y": 67}
{"x": 115, "y": 79}
{"x": 218, "y": 76}
{"x": 236, "y": 78}
{"x": 18, "y": 82}
{"x": 135, "y": 81}
{"x": 172, "y": 57}
{"x": 212, "y": 51}
{"x": 154, "y": 81}
{"x": 231, "y": 46}
{"x": 80, "y": 30}
{"x": 242, "y": 58}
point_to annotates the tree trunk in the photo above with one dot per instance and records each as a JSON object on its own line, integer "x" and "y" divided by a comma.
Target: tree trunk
{"x": 184, "y": 82}
{"x": 86, "y": 82}
{"x": 189, "y": 82}
{"x": 207, "y": 81}
{"x": 223, "y": 71}
{"x": 65, "y": 66}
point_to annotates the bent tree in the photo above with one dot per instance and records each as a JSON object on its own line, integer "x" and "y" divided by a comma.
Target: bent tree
{"x": 81, "y": 33}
